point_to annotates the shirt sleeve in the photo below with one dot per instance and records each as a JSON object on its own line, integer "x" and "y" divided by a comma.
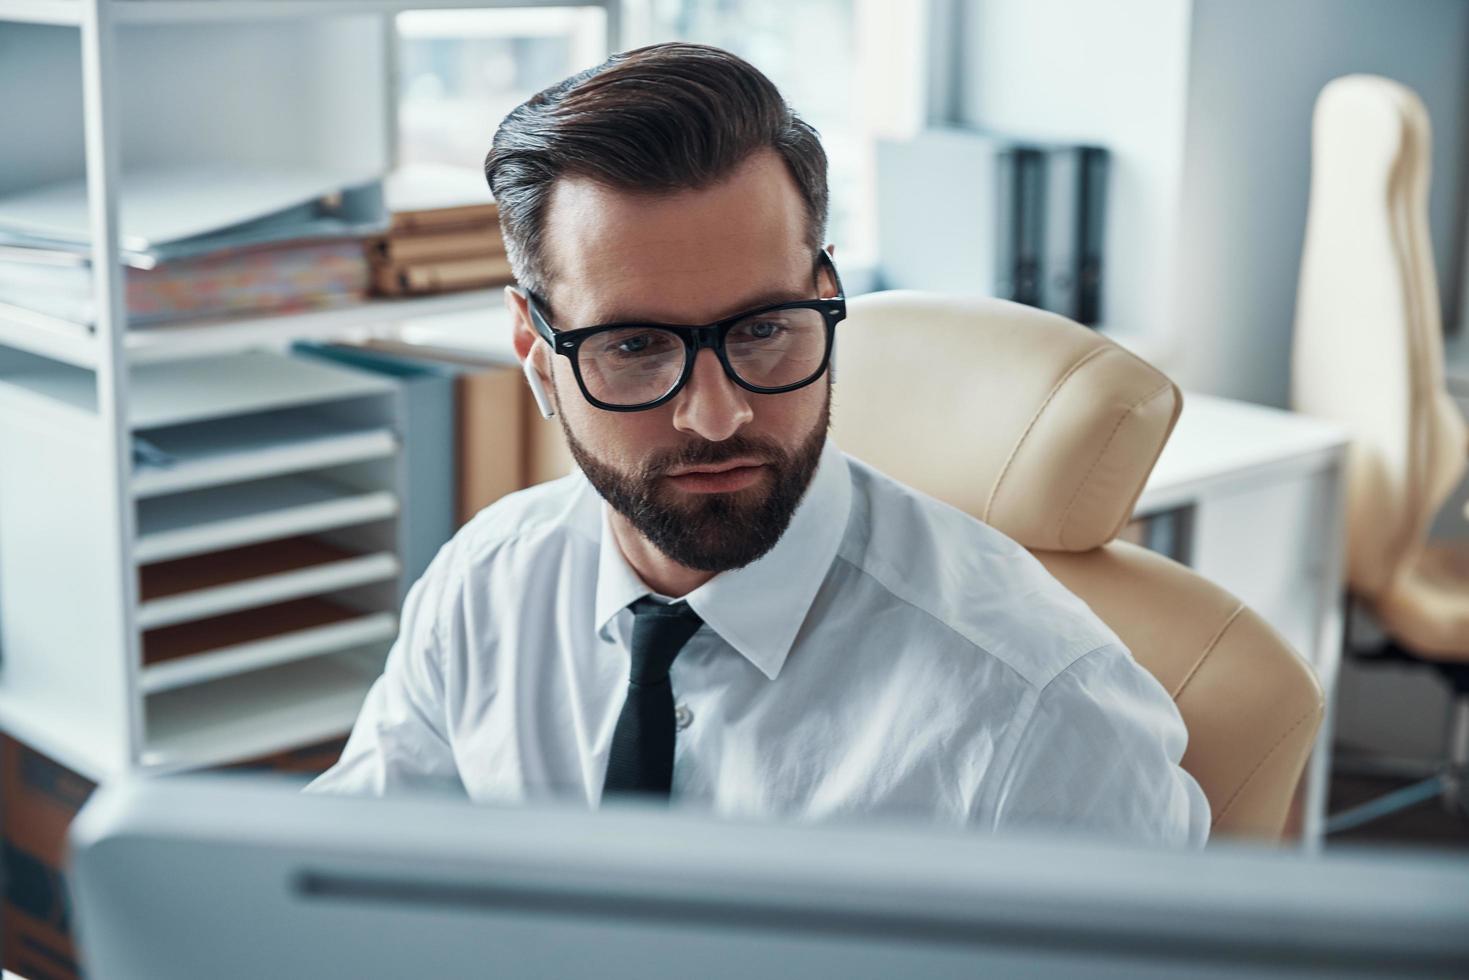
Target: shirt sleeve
{"x": 400, "y": 740}
{"x": 1099, "y": 755}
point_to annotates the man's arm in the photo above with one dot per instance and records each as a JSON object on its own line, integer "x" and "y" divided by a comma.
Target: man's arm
{"x": 400, "y": 740}
{"x": 1099, "y": 755}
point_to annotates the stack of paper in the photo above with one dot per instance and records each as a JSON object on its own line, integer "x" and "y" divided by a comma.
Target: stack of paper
{"x": 444, "y": 236}
{"x": 196, "y": 242}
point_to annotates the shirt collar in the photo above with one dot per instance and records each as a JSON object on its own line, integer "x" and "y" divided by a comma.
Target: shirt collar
{"x": 757, "y": 609}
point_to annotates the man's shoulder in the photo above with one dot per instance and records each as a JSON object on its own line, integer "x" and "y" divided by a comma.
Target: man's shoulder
{"x": 543, "y": 514}
{"x": 988, "y": 590}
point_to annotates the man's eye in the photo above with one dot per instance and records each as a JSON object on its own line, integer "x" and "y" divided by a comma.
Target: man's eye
{"x": 764, "y": 329}
{"x": 643, "y": 343}
{"x": 759, "y": 330}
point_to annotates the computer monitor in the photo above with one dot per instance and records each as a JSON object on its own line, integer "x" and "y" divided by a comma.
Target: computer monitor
{"x": 244, "y": 877}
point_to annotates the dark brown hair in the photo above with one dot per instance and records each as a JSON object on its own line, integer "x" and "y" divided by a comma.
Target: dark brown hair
{"x": 665, "y": 117}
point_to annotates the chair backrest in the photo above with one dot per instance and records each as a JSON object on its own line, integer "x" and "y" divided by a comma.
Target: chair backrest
{"x": 1368, "y": 346}
{"x": 1047, "y": 431}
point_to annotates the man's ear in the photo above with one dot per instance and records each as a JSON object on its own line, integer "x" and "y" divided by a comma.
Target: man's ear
{"x": 523, "y": 333}
{"x": 829, "y": 287}
{"x": 533, "y": 356}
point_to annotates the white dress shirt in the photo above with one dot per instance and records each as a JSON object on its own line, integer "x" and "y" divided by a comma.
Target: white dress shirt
{"x": 889, "y": 656}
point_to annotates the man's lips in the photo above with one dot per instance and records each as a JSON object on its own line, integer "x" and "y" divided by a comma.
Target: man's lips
{"x": 726, "y": 478}
{"x": 729, "y": 464}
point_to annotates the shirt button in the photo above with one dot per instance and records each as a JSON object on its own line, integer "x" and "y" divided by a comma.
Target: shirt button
{"x": 682, "y": 717}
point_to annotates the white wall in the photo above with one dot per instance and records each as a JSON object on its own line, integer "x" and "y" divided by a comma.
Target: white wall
{"x": 1255, "y": 68}
{"x": 1114, "y": 73}
{"x": 1206, "y": 105}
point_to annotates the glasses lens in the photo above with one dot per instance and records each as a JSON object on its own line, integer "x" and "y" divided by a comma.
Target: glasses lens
{"x": 779, "y": 348}
{"x": 630, "y": 365}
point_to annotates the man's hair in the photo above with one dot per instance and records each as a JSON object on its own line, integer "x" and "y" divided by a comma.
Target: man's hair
{"x": 662, "y": 118}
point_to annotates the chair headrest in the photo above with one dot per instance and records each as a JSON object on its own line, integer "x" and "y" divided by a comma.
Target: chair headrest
{"x": 1036, "y": 425}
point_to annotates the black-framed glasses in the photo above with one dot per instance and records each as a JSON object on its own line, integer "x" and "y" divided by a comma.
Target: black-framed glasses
{"x": 629, "y": 367}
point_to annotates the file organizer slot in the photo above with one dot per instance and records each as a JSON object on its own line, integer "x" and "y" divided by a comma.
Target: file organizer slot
{"x": 197, "y": 521}
{"x": 214, "y": 584}
{"x": 377, "y": 536}
{"x": 366, "y": 475}
{"x": 368, "y": 597}
{"x": 177, "y": 392}
{"x": 262, "y": 444}
{"x": 239, "y": 642}
{"x": 258, "y": 712}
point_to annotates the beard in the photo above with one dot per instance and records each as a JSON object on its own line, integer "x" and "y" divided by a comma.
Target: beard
{"x": 710, "y": 532}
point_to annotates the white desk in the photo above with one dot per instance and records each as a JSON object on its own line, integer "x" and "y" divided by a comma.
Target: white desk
{"x": 1264, "y": 496}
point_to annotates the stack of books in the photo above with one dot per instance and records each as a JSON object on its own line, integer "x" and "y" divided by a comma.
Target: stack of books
{"x": 444, "y": 235}
{"x": 195, "y": 242}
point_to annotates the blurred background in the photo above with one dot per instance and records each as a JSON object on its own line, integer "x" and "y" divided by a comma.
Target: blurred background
{"x": 255, "y": 365}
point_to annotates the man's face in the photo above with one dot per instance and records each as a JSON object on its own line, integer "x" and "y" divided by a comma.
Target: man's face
{"x": 686, "y": 257}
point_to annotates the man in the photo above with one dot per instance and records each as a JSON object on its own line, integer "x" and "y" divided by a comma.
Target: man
{"x": 721, "y": 608}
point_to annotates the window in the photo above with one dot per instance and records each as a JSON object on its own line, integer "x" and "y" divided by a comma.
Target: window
{"x": 808, "y": 50}
{"x": 460, "y": 71}
{"x": 849, "y": 67}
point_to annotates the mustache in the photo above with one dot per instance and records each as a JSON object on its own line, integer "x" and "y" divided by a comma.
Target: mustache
{"x": 706, "y": 453}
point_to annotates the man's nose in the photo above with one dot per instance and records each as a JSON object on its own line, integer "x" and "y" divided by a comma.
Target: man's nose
{"x": 711, "y": 405}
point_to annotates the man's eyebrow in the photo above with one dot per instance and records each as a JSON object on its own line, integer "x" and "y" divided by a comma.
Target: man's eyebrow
{"x": 768, "y": 298}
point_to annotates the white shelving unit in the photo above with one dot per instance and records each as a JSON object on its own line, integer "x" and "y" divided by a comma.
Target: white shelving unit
{"x": 264, "y": 536}
{"x": 233, "y": 594}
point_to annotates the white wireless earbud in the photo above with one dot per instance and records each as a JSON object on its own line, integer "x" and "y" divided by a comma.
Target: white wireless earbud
{"x": 831, "y": 363}
{"x": 538, "y": 390}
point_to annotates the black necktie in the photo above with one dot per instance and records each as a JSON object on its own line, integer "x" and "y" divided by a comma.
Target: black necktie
{"x": 641, "y": 760}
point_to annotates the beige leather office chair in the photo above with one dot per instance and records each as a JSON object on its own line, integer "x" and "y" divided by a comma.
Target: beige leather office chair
{"x": 1047, "y": 431}
{"x": 1369, "y": 356}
